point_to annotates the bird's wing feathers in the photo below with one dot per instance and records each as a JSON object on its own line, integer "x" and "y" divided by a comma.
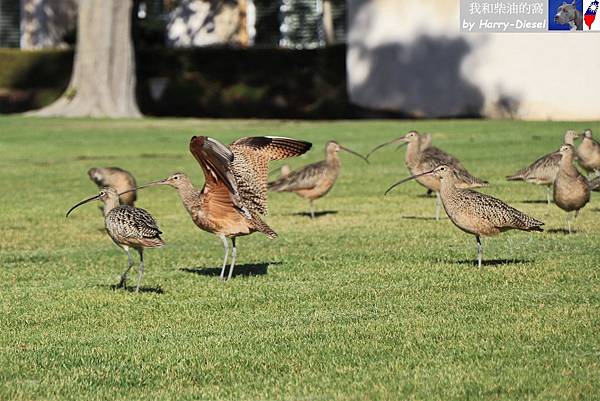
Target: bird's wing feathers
{"x": 133, "y": 222}
{"x": 500, "y": 214}
{"x": 304, "y": 178}
{"x": 216, "y": 161}
{"x": 250, "y": 165}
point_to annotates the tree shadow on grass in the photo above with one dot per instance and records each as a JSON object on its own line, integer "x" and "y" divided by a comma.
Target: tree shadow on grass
{"x": 131, "y": 288}
{"x": 248, "y": 269}
{"x": 493, "y": 262}
{"x": 317, "y": 214}
{"x": 563, "y": 231}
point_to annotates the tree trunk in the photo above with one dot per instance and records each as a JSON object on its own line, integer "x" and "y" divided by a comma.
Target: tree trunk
{"x": 328, "y": 22}
{"x": 103, "y": 79}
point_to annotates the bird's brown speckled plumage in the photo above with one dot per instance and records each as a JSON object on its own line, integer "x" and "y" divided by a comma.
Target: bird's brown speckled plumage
{"x": 314, "y": 180}
{"x": 543, "y": 171}
{"x": 588, "y": 153}
{"x": 571, "y": 189}
{"x": 128, "y": 227}
{"x": 234, "y": 193}
{"x": 119, "y": 179}
{"x": 476, "y": 213}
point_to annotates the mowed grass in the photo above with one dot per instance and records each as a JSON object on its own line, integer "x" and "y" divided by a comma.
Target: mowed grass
{"x": 374, "y": 301}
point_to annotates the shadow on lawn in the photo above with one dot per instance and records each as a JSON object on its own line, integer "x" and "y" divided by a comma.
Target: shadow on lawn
{"x": 563, "y": 231}
{"x": 421, "y": 218}
{"x": 131, "y": 288}
{"x": 317, "y": 214}
{"x": 493, "y": 262}
{"x": 535, "y": 202}
{"x": 248, "y": 269}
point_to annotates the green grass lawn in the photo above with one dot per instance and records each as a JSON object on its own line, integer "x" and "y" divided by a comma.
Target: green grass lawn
{"x": 375, "y": 301}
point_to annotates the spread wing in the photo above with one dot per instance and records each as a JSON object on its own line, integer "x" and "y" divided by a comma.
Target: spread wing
{"x": 250, "y": 165}
{"x": 305, "y": 178}
{"x": 220, "y": 183}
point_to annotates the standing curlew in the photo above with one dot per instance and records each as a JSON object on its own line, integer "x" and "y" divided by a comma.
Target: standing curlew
{"x": 128, "y": 227}
{"x": 117, "y": 178}
{"x": 474, "y": 212}
{"x": 543, "y": 171}
{"x": 315, "y": 180}
{"x": 235, "y": 189}
{"x": 420, "y": 160}
{"x": 571, "y": 189}
{"x": 588, "y": 153}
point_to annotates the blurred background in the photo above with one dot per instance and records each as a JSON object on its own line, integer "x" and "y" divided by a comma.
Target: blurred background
{"x": 310, "y": 59}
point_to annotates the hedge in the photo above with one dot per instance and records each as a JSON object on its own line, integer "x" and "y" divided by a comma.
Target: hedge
{"x": 201, "y": 82}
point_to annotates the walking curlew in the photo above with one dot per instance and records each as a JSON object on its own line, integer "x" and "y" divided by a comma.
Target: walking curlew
{"x": 473, "y": 212}
{"x": 588, "y": 153}
{"x": 235, "y": 188}
{"x": 128, "y": 227}
{"x": 117, "y": 178}
{"x": 571, "y": 189}
{"x": 315, "y": 180}
{"x": 420, "y": 160}
{"x": 543, "y": 171}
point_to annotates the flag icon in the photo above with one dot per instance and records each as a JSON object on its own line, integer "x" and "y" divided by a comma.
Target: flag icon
{"x": 590, "y": 14}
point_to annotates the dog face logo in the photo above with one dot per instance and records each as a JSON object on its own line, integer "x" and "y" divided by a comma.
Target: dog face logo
{"x": 568, "y": 14}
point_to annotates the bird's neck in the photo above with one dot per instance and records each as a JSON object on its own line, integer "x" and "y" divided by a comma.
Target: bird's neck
{"x": 567, "y": 167}
{"x": 189, "y": 195}
{"x": 412, "y": 153}
{"x": 447, "y": 188}
{"x": 110, "y": 204}
{"x": 333, "y": 159}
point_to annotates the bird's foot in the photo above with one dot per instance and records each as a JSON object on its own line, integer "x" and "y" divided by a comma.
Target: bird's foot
{"x": 122, "y": 283}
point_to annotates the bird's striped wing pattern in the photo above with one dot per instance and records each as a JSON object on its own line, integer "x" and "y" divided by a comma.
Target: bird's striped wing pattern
{"x": 305, "y": 178}
{"x": 251, "y": 163}
{"x": 216, "y": 162}
{"x": 132, "y": 222}
{"x": 501, "y": 215}
{"x": 544, "y": 168}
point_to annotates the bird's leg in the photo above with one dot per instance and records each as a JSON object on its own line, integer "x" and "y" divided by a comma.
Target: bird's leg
{"x": 233, "y": 255}
{"x": 568, "y": 218}
{"x": 141, "y": 270}
{"x": 226, "y": 246}
{"x": 548, "y": 195}
{"x": 438, "y": 202}
{"x": 479, "y": 251}
{"x": 123, "y": 281}
{"x": 312, "y": 209}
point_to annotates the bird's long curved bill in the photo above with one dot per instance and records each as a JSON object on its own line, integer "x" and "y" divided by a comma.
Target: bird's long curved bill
{"x": 376, "y": 148}
{"x": 150, "y": 184}
{"x": 81, "y": 203}
{"x": 412, "y": 177}
{"x": 354, "y": 153}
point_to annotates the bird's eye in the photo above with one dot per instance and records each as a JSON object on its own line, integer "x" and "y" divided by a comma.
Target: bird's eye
{"x": 176, "y": 177}
{"x": 102, "y": 193}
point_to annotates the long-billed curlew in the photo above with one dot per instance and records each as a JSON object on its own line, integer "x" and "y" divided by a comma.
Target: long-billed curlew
{"x": 315, "y": 180}
{"x": 419, "y": 160}
{"x": 571, "y": 189}
{"x": 117, "y": 178}
{"x": 235, "y": 189}
{"x": 474, "y": 212}
{"x": 588, "y": 153}
{"x": 128, "y": 227}
{"x": 543, "y": 171}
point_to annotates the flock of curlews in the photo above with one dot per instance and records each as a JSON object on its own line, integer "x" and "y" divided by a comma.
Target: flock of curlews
{"x": 234, "y": 196}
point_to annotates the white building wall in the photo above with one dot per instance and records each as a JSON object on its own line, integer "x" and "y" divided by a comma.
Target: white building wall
{"x": 410, "y": 57}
